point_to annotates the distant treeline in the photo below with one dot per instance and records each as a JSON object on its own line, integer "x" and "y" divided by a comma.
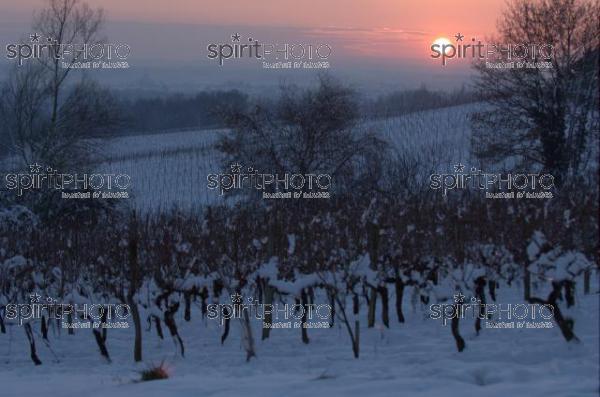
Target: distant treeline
{"x": 409, "y": 101}
{"x": 179, "y": 111}
{"x": 204, "y": 110}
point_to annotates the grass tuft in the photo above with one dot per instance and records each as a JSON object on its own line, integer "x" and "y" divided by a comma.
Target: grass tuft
{"x": 155, "y": 372}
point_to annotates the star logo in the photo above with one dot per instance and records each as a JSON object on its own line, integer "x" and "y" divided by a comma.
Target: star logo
{"x": 34, "y": 298}
{"x": 35, "y": 168}
{"x": 235, "y": 37}
{"x": 459, "y": 37}
{"x": 459, "y": 167}
{"x": 459, "y": 298}
{"x": 236, "y": 167}
{"x": 236, "y": 298}
{"x": 35, "y": 38}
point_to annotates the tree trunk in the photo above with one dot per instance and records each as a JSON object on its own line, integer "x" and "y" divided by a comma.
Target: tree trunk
{"x": 134, "y": 282}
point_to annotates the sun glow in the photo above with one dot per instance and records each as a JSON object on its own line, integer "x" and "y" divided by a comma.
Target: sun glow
{"x": 440, "y": 42}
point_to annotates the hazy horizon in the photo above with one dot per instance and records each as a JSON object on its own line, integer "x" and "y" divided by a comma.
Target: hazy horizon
{"x": 380, "y": 48}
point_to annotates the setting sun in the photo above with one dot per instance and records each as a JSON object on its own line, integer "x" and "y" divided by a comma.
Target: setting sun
{"x": 441, "y": 41}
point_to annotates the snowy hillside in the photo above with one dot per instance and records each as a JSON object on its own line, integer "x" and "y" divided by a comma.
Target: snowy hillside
{"x": 170, "y": 169}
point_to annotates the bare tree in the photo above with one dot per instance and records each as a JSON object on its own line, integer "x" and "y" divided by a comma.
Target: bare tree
{"x": 44, "y": 119}
{"x": 23, "y": 99}
{"x": 306, "y": 131}
{"x": 543, "y": 115}
{"x": 68, "y": 23}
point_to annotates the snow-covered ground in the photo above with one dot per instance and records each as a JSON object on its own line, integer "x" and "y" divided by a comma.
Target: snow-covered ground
{"x": 418, "y": 358}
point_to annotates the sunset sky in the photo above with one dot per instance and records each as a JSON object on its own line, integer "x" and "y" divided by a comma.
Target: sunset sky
{"x": 372, "y": 40}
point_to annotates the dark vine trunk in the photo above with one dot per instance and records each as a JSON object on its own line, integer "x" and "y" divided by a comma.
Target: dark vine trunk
{"x": 332, "y": 304}
{"x": 354, "y": 334}
{"x": 100, "y": 341}
{"x": 564, "y": 324}
{"x": 527, "y": 285}
{"x": 492, "y": 285}
{"x": 70, "y": 330}
{"x": 32, "y": 350}
{"x": 44, "y": 328}
{"x": 158, "y": 326}
{"x": 203, "y": 297}
{"x": 399, "y": 285}
{"x": 137, "y": 324}
{"x": 268, "y": 292}
{"x": 172, "y": 326}
{"x": 304, "y": 299}
{"x": 587, "y": 281}
{"x": 385, "y": 317}
{"x": 356, "y": 339}
{"x": 480, "y": 294}
{"x": 454, "y": 326}
{"x": 187, "y": 297}
{"x": 104, "y": 319}
{"x": 226, "y": 330}
{"x": 372, "y": 307}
